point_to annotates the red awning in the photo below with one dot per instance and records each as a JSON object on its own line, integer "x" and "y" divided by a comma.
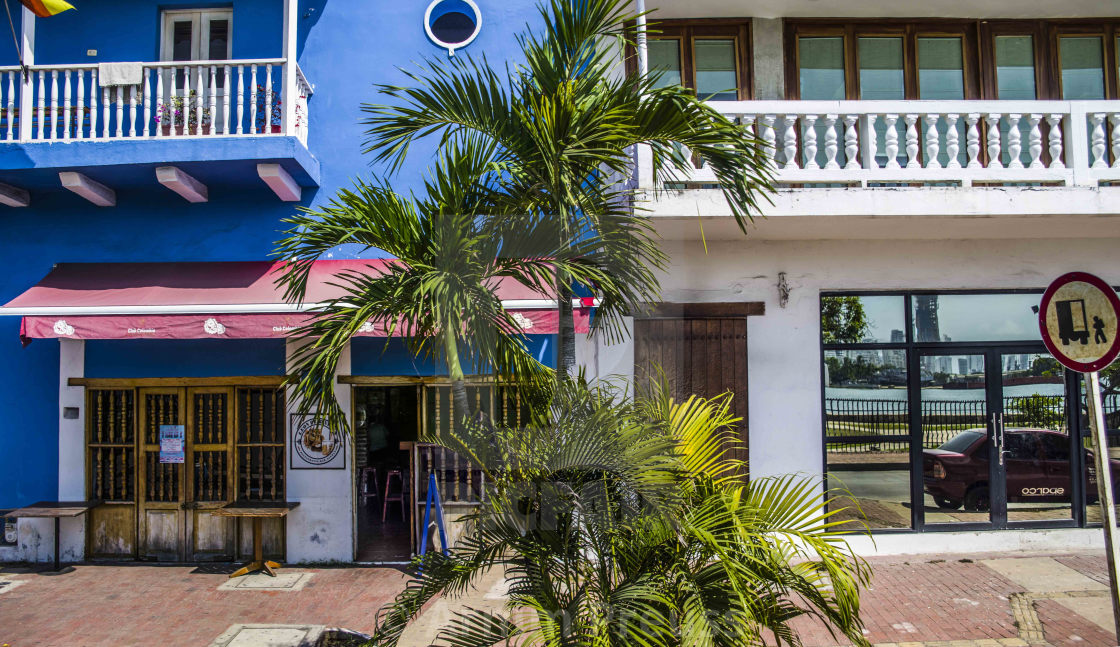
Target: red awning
{"x": 221, "y": 300}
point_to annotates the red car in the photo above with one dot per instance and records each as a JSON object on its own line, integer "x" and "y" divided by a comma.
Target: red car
{"x": 1037, "y": 465}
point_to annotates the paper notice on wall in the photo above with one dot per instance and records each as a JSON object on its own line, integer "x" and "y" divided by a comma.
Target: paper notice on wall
{"x": 171, "y": 440}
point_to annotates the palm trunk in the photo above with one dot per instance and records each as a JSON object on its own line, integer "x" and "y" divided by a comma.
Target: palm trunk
{"x": 455, "y": 372}
{"x": 565, "y": 331}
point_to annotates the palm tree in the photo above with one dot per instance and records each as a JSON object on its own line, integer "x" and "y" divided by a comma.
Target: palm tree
{"x": 565, "y": 126}
{"x": 451, "y": 249}
{"x": 624, "y": 523}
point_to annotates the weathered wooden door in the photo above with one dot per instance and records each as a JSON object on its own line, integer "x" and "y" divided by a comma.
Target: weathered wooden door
{"x": 259, "y": 456}
{"x": 111, "y": 468}
{"x": 701, "y": 356}
{"x": 162, "y": 517}
{"x": 210, "y": 477}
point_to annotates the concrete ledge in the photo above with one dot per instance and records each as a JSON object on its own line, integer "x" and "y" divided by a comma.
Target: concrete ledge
{"x": 288, "y": 151}
{"x": 1003, "y": 541}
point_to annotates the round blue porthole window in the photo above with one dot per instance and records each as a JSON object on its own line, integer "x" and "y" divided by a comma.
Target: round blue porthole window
{"x": 452, "y": 24}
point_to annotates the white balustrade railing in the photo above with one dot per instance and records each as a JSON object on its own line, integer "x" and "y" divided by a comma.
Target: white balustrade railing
{"x": 903, "y": 143}
{"x": 173, "y": 100}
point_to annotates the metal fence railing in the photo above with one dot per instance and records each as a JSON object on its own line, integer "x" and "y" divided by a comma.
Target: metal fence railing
{"x": 866, "y": 425}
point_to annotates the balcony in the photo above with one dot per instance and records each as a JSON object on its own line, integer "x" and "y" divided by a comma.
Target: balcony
{"x": 965, "y": 158}
{"x": 209, "y": 117}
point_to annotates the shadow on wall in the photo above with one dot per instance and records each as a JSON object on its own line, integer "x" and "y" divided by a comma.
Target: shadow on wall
{"x": 310, "y": 12}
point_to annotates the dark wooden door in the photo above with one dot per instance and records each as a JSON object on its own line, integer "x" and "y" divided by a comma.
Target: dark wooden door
{"x": 704, "y": 357}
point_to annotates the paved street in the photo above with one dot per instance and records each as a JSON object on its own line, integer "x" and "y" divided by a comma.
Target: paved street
{"x": 983, "y": 600}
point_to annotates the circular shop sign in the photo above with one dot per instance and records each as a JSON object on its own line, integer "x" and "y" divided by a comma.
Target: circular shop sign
{"x": 1078, "y": 319}
{"x": 452, "y": 24}
{"x": 315, "y": 443}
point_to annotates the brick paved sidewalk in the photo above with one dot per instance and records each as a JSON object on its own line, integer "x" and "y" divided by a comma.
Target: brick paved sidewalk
{"x": 983, "y": 601}
{"x": 933, "y": 601}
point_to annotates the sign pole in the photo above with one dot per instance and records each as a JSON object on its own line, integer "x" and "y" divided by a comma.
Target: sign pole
{"x": 1104, "y": 490}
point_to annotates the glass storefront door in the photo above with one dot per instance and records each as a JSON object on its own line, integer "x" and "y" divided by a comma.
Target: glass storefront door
{"x": 996, "y": 447}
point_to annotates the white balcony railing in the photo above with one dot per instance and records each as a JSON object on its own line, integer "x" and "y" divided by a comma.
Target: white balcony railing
{"x": 172, "y": 100}
{"x": 906, "y": 143}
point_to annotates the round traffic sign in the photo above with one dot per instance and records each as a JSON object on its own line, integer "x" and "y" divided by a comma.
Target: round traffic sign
{"x": 1078, "y": 319}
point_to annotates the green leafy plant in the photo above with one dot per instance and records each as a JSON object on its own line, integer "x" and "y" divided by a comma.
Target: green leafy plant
{"x": 623, "y": 522}
{"x": 179, "y": 111}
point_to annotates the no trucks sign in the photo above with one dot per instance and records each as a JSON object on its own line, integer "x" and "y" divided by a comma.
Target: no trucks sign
{"x": 1078, "y": 319}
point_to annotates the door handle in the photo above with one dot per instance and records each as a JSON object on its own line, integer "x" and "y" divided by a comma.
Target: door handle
{"x": 1002, "y": 438}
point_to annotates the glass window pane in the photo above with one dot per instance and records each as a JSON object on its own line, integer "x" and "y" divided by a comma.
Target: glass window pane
{"x": 1015, "y": 67}
{"x": 181, "y": 40}
{"x": 954, "y": 418}
{"x": 219, "y": 40}
{"x": 867, "y": 433}
{"x": 940, "y": 68}
{"x": 975, "y": 317}
{"x": 880, "y": 69}
{"x": 821, "y": 67}
{"x": 715, "y": 69}
{"x": 665, "y": 57}
{"x": 1082, "y": 63}
{"x": 1037, "y": 438}
{"x": 866, "y": 319}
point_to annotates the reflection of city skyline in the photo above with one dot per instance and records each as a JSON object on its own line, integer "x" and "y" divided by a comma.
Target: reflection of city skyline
{"x": 961, "y": 317}
{"x": 955, "y": 365}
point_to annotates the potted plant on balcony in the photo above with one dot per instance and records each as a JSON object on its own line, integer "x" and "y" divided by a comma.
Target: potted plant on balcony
{"x": 271, "y": 120}
{"x": 181, "y": 116}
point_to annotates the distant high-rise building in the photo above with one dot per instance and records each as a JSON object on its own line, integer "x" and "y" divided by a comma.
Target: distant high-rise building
{"x": 926, "y": 325}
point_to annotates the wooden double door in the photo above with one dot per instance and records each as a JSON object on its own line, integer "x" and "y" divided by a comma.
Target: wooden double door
{"x": 159, "y": 505}
{"x": 698, "y": 355}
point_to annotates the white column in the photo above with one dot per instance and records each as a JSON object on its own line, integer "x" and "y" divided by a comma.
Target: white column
{"x": 26, "y": 97}
{"x": 321, "y": 529}
{"x": 291, "y": 17}
{"x": 71, "y": 444}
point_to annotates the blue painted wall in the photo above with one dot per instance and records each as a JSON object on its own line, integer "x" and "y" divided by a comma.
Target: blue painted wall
{"x": 184, "y": 357}
{"x": 372, "y": 356}
{"x": 345, "y": 47}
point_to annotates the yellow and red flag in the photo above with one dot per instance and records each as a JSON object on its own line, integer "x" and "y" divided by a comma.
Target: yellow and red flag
{"x": 46, "y": 8}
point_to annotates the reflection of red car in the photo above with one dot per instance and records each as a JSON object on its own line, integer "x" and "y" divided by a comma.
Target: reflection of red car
{"x": 1037, "y": 466}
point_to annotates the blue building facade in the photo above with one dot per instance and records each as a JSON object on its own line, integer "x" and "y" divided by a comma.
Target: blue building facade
{"x": 257, "y": 156}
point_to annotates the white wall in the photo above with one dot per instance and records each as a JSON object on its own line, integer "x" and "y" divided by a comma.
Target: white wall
{"x": 784, "y": 378}
{"x": 321, "y": 529}
{"x": 72, "y": 445}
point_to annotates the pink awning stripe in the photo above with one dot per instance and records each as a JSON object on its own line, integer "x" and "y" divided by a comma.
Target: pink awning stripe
{"x": 222, "y": 300}
{"x": 229, "y": 326}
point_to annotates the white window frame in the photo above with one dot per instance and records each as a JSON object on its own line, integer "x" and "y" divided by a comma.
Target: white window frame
{"x": 199, "y": 18}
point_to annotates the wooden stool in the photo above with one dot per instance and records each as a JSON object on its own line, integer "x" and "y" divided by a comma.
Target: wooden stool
{"x": 398, "y": 497}
{"x": 369, "y": 479}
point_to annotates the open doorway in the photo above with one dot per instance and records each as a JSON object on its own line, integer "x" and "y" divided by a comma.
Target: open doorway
{"x": 384, "y": 417}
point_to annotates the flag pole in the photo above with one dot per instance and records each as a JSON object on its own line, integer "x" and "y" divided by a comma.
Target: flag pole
{"x": 1104, "y": 490}
{"x": 15, "y": 39}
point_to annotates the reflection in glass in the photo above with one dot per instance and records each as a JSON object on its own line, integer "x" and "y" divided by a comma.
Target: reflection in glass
{"x": 665, "y": 57}
{"x": 1015, "y": 67}
{"x": 940, "y": 68}
{"x": 821, "y": 67}
{"x": 1036, "y": 438}
{"x": 715, "y": 70}
{"x": 880, "y": 69}
{"x": 975, "y": 317}
{"x": 863, "y": 319}
{"x": 1110, "y": 400}
{"x": 867, "y": 435}
{"x": 955, "y": 443}
{"x": 1082, "y": 63}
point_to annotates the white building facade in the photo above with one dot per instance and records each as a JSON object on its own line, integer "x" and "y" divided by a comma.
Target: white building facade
{"x": 935, "y": 171}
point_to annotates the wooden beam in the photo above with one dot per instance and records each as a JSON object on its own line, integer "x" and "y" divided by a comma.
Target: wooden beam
{"x": 95, "y": 192}
{"x": 130, "y": 382}
{"x": 280, "y": 182}
{"x": 182, "y": 183}
{"x": 14, "y": 196}
{"x": 721, "y": 310}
